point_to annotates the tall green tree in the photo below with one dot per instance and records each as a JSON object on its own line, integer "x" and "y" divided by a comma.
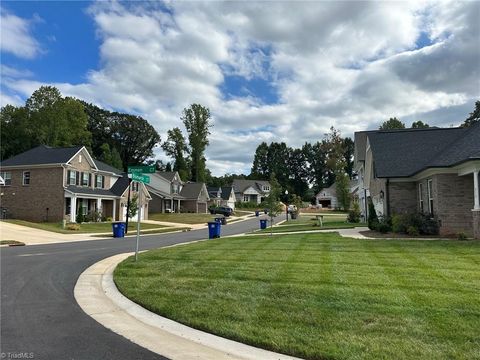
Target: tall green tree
{"x": 16, "y": 133}
{"x": 419, "y": 125}
{"x": 176, "y": 147}
{"x": 298, "y": 172}
{"x": 474, "y": 116}
{"x": 348, "y": 154}
{"x": 261, "y": 164}
{"x": 196, "y": 119}
{"x": 391, "y": 124}
{"x": 110, "y": 156}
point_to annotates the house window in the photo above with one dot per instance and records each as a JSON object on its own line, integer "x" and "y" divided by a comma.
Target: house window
{"x": 100, "y": 181}
{"x": 246, "y": 198}
{"x": 85, "y": 179}
{"x": 175, "y": 188}
{"x": 134, "y": 186}
{"x": 26, "y": 178}
{"x": 72, "y": 177}
{"x": 430, "y": 196}
{"x": 7, "y": 177}
{"x": 266, "y": 188}
{"x": 420, "y": 196}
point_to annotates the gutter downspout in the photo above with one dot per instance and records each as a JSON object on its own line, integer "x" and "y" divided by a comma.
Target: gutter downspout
{"x": 387, "y": 196}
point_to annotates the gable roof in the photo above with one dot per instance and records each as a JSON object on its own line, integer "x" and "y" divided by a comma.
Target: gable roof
{"x": 404, "y": 153}
{"x": 107, "y": 168}
{"x": 43, "y": 155}
{"x": 240, "y": 185}
{"x": 169, "y": 175}
{"x": 226, "y": 191}
{"x": 192, "y": 190}
{"x": 120, "y": 185}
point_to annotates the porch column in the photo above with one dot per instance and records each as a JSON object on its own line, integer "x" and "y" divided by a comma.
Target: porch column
{"x": 114, "y": 211}
{"x": 99, "y": 205}
{"x": 178, "y": 207}
{"x": 476, "y": 194}
{"x": 73, "y": 209}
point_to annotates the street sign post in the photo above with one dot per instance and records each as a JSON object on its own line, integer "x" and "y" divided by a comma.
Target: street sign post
{"x": 141, "y": 169}
{"x": 141, "y": 178}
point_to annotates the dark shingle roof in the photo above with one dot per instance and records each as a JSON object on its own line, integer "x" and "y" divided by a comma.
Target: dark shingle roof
{"x": 42, "y": 155}
{"x": 120, "y": 185}
{"x": 191, "y": 190}
{"x": 105, "y": 167}
{"x": 240, "y": 185}
{"x": 403, "y": 153}
{"x": 89, "y": 191}
{"x": 226, "y": 190}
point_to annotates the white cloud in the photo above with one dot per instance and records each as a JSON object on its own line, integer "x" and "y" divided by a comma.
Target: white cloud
{"x": 16, "y": 36}
{"x": 347, "y": 64}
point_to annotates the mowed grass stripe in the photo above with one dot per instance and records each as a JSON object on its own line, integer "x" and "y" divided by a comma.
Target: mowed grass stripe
{"x": 319, "y": 296}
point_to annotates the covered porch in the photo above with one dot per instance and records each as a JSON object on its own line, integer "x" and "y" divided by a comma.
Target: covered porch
{"x": 81, "y": 207}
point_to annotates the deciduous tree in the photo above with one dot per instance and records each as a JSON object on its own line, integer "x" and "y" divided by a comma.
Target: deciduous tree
{"x": 391, "y": 124}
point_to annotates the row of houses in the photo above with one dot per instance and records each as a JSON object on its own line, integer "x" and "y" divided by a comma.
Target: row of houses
{"x": 51, "y": 184}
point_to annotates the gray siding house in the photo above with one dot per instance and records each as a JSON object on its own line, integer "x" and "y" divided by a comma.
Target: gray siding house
{"x": 251, "y": 190}
{"x": 433, "y": 171}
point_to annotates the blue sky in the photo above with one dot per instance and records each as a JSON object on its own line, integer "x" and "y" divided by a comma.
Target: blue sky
{"x": 269, "y": 71}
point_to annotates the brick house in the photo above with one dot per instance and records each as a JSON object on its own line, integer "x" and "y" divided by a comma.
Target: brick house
{"x": 433, "y": 171}
{"x": 170, "y": 194}
{"x": 251, "y": 190}
{"x": 52, "y": 184}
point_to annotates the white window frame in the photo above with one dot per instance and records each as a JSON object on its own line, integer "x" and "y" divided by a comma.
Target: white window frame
{"x": 102, "y": 181}
{"x": 420, "y": 197}
{"x": 266, "y": 188}
{"x": 87, "y": 178}
{"x": 25, "y": 178}
{"x": 74, "y": 178}
{"x": 246, "y": 198}
{"x": 7, "y": 178}
{"x": 430, "y": 195}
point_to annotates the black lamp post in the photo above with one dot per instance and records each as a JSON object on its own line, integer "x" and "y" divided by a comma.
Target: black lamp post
{"x": 286, "y": 203}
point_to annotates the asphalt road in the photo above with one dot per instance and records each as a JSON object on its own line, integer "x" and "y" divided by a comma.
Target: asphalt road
{"x": 40, "y": 318}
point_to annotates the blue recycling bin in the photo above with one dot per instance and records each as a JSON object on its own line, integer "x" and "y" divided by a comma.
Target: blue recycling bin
{"x": 118, "y": 229}
{"x": 263, "y": 224}
{"x": 214, "y": 229}
{"x": 221, "y": 220}
{"x": 257, "y": 213}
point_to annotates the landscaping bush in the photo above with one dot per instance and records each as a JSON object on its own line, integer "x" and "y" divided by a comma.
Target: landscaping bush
{"x": 429, "y": 225}
{"x": 354, "y": 214}
{"x": 462, "y": 236}
{"x": 72, "y": 226}
{"x": 383, "y": 224}
{"x": 412, "y": 231}
{"x": 424, "y": 224}
{"x": 372, "y": 216}
{"x": 80, "y": 218}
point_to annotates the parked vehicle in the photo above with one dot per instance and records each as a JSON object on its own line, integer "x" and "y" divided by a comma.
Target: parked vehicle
{"x": 223, "y": 210}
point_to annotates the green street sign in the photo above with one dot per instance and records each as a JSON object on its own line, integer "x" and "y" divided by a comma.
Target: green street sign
{"x": 141, "y": 169}
{"x": 142, "y": 178}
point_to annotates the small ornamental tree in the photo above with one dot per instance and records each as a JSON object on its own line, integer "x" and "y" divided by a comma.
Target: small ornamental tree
{"x": 372, "y": 216}
{"x": 132, "y": 211}
{"x": 272, "y": 201}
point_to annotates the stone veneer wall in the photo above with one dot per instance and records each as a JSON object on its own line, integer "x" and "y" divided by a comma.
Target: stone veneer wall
{"x": 453, "y": 203}
{"x": 476, "y": 223}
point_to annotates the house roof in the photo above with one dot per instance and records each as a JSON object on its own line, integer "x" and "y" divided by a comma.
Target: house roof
{"x": 191, "y": 190}
{"x": 240, "y": 185}
{"x": 42, "y": 155}
{"x": 169, "y": 175}
{"x": 90, "y": 191}
{"x": 213, "y": 191}
{"x": 120, "y": 185}
{"x": 226, "y": 191}
{"x": 105, "y": 167}
{"x": 403, "y": 153}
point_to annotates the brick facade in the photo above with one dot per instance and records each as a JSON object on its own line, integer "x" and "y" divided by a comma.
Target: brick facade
{"x": 453, "y": 203}
{"x": 476, "y": 223}
{"x": 30, "y": 202}
{"x": 403, "y": 197}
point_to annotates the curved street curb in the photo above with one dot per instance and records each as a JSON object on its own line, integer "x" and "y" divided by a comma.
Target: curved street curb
{"x": 97, "y": 295}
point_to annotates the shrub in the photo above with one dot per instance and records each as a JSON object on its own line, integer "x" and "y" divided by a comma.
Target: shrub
{"x": 354, "y": 214}
{"x": 372, "y": 216}
{"x": 109, "y": 219}
{"x": 73, "y": 226}
{"x": 412, "y": 231}
{"x": 462, "y": 236}
{"x": 429, "y": 225}
{"x": 423, "y": 223}
{"x": 383, "y": 224}
{"x": 80, "y": 218}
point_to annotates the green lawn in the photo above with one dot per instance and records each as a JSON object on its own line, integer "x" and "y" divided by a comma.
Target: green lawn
{"x": 309, "y": 222}
{"x": 84, "y": 228}
{"x": 183, "y": 218}
{"x": 319, "y": 296}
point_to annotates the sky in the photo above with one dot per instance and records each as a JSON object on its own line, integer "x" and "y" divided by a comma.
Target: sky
{"x": 268, "y": 71}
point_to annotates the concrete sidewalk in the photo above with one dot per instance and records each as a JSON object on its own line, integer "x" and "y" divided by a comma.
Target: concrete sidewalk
{"x": 98, "y": 296}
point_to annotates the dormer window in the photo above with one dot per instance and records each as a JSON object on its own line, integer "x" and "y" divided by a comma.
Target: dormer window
{"x": 266, "y": 188}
